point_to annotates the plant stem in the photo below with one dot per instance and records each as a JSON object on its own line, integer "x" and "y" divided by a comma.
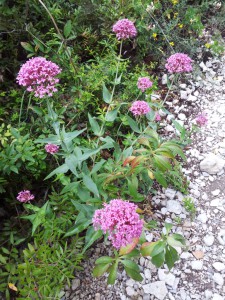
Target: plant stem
{"x": 169, "y": 90}
{"x": 60, "y": 35}
{"x": 21, "y": 107}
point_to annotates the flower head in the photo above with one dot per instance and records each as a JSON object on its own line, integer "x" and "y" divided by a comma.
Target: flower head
{"x": 139, "y": 108}
{"x": 201, "y": 119}
{"x": 144, "y": 83}
{"x": 38, "y": 76}
{"x": 51, "y": 148}
{"x": 157, "y": 117}
{"x": 120, "y": 220}
{"x": 178, "y": 63}
{"x": 124, "y": 29}
{"x": 25, "y": 196}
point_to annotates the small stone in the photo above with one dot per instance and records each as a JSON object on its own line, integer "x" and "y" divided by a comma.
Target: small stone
{"x": 130, "y": 291}
{"x": 202, "y": 218}
{"x": 208, "y": 240}
{"x": 219, "y": 266}
{"x": 218, "y": 278}
{"x": 215, "y": 192}
{"x": 192, "y": 98}
{"x": 212, "y": 164}
{"x": 166, "y": 276}
{"x": 148, "y": 274}
{"x": 197, "y": 265}
{"x": 170, "y": 193}
{"x": 75, "y": 284}
{"x": 183, "y": 95}
{"x": 164, "y": 79}
{"x": 182, "y": 117}
{"x": 198, "y": 254}
{"x": 174, "y": 207}
{"x": 97, "y": 296}
{"x": 217, "y": 297}
{"x": 157, "y": 288}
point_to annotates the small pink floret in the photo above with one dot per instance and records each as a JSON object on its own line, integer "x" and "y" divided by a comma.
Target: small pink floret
{"x": 38, "y": 76}
{"x": 25, "y": 196}
{"x": 51, "y": 148}
{"x": 157, "y": 117}
{"x": 120, "y": 220}
{"x": 144, "y": 83}
{"x": 124, "y": 29}
{"x": 201, "y": 119}
{"x": 139, "y": 108}
{"x": 179, "y": 63}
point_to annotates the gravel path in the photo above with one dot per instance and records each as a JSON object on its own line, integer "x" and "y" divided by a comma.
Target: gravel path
{"x": 200, "y": 273}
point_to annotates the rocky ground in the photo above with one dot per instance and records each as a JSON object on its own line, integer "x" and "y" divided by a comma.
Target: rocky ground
{"x": 200, "y": 273}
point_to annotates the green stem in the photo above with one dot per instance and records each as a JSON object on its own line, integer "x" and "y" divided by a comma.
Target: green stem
{"x": 28, "y": 105}
{"x": 112, "y": 94}
{"x": 21, "y": 107}
{"x": 170, "y": 87}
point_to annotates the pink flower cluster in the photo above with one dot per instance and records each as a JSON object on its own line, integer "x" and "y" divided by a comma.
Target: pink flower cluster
{"x": 139, "y": 108}
{"x": 144, "y": 83}
{"x": 25, "y": 196}
{"x": 120, "y": 220}
{"x": 51, "y": 148}
{"x": 201, "y": 119}
{"x": 38, "y": 75}
{"x": 124, "y": 29}
{"x": 178, "y": 63}
{"x": 157, "y": 117}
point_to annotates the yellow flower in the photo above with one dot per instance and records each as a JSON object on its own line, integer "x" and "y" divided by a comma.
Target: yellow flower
{"x": 180, "y": 25}
{"x": 174, "y": 2}
{"x": 171, "y": 43}
{"x": 175, "y": 15}
{"x": 154, "y": 35}
{"x": 207, "y": 45}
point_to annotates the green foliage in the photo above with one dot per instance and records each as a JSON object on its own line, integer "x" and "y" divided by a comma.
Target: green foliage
{"x": 189, "y": 205}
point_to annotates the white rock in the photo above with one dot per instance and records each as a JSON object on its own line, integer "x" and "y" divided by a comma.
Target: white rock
{"x": 212, "y": 164}
{"x": 164, "y": 79}
{"x": 203, "y": 66}
{"x": 169, "y": 128}
{"x": 202, "y": 218}
{"x": 148, "y": 274}
{"x": 130, "y": 291}
{"x": 166, "y": 276}
{"x": 215, "y": 192}
{"x": 174, "y": 206}
{"x": 217, "y": 297}
{"x": 192, "y": 98}
{"x": 208, "y": 240}
{"x": 157, "y": 288}
{"x": 182, "y": 117}
{"x": 219, "y": 266}
{"x": 75, "y": 284}
{"x": 170, "y": 193}
{"x": 183, "y": 85}
{"x": 218, "y": 278}
{"x": 183, "y": 95}
{"x": 197, "y": 264}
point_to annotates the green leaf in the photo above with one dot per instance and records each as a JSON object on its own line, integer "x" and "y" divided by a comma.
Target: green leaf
{"x": 106, "y": 94}
{"x": 111, "y": 115}
{"x": 99, "y": 270}
{"x": 112, "y": 273}
{"x": 27, "y": 46}
{"x": 78, "y": 228}
{"x": 133, "y": 253}
{"x": 95, "y": 236}
{"x": 168, "y": 227}
{"x": 147, "y": 248}
{"x": 158, "y": 259}
{"x": 60, "y": 170}
{"x": 72, "y": 162}
{"x": 130, "y": 264}
{"x": 118, "y": 79}
{"x": 69, "y": 136}
{"x": 171, "y": 257}
{"x": 3, "y": 259}
{"x": 160, "y": 178}
{"x": 104, "y": 260}
{"x": 67, "y": 28}
{"x": 94, "y": 125}
{"x": 90, "y": 185}
{"x": 162, "y": 162}
{"x": 176, "y": 240}
{"x": 133, "y": 124}
{"x": 159, "y": 247}
{"x": 134, "y": 274}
